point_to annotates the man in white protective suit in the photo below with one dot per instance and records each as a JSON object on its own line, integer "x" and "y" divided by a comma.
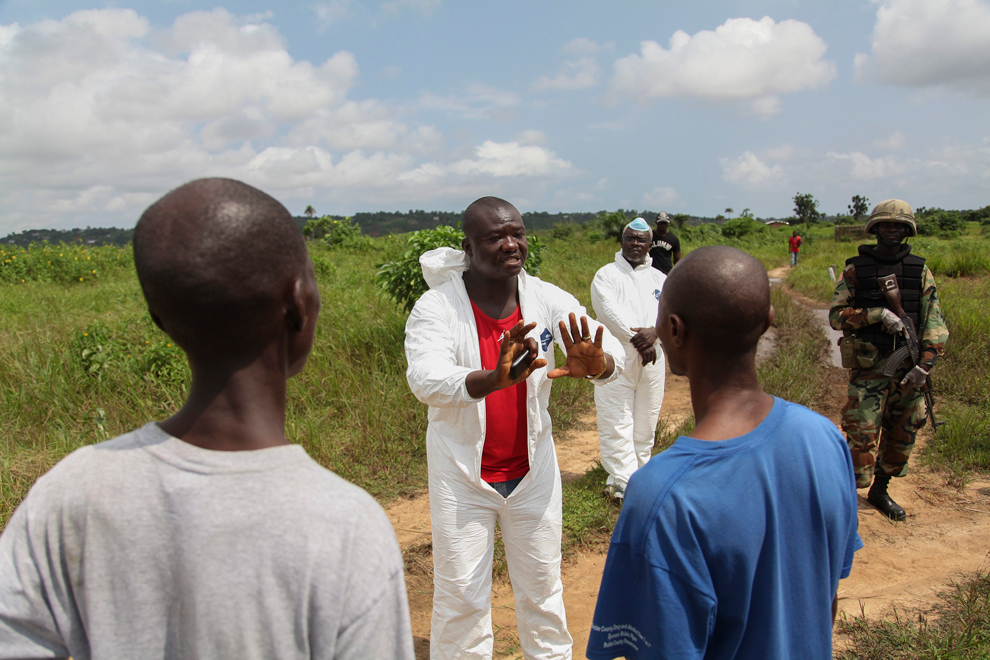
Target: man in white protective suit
{"x": 489, "y": 446}
{"x": 625, "y": 295}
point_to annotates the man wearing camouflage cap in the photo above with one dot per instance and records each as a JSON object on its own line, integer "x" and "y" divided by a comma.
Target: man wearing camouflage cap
{"x": 886, "y": 406}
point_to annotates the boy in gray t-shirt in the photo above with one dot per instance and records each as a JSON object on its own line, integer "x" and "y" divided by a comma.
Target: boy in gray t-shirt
{"x": 208, "y": 535}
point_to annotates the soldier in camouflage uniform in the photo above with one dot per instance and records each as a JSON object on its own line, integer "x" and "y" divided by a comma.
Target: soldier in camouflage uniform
{"x": 883, "y": 414}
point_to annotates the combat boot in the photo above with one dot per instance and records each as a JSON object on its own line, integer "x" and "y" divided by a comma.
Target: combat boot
{"x": 879, "y": 498}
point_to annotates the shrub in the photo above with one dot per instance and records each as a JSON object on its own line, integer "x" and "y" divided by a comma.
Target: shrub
{"x": 402, "y": 278}
{"x": 741, "y": 227}
{"x": 611, "y": 224}
{"x": 333, "y": 231}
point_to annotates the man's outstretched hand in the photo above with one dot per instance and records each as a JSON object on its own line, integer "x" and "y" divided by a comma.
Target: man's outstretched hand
{"x": 514, "y": 343}
{"x": 585, "y": 356}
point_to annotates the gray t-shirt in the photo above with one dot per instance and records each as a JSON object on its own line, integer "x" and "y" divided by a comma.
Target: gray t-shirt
{"x": 149, "y": 547}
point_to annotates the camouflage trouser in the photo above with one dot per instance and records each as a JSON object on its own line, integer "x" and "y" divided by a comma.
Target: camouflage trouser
{"x": 880, "y": 420}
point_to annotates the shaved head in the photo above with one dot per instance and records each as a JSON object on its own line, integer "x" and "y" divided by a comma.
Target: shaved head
{"x": 723, "y": 296}
{"x": 215, "y": 258}
{"x": 482, "y": 209}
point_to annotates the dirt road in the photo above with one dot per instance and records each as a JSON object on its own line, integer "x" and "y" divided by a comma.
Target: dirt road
{"x": 946, "y": 536}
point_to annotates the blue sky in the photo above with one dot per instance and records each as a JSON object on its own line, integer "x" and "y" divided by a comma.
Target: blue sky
{"x": 364, "y": 106}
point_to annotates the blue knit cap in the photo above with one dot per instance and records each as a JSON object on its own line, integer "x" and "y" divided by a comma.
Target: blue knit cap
{"x": 638, "y": 224}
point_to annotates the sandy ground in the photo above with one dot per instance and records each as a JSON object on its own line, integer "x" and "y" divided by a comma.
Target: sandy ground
{"x": 946, "y": 536}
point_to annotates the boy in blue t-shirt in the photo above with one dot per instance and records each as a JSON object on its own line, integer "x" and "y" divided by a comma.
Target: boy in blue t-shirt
{"x": 731, "y": 543}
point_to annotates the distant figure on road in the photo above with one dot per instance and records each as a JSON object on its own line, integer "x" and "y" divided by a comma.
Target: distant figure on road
{"x": 732, "y": 542}
{"x": 625, "y": 295}
{"x": 883, "y": 414}
{"x": 489, "y": 444}
{"x": 208, "y": 535}
{"x": 666, "y": 248}
{"x": 794, "y": 242}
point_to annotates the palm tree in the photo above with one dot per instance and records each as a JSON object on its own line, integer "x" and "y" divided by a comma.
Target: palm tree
{"x": 309, "y": 212}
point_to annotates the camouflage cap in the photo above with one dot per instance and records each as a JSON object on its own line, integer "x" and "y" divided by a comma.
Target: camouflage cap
{"x": 892, "y": 210}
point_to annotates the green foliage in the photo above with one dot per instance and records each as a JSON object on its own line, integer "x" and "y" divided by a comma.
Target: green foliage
{"x": 806, "y": 208}
{"x": 611, "y": 224}
{"x": 859, "y": 207}
{"x": 941, "y": 223}
{"x": 402, "y": 277}
{"x": 742, "y": 226}
{"x": 589, "y": 517}
{"x": 332, "y": 231}
{"x": 707, "y": 233}
{"x": 679, "y": 219}
{"x": 793, "y": 371}
{"x": 61, "y": 263}
{"x": 846, "y": 220}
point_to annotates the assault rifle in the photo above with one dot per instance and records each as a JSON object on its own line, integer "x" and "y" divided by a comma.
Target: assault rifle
{"x": 912, "y": 348}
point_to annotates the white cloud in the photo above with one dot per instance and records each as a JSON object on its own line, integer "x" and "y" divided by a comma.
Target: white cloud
{"x": 930, "y": 43}
{"x": 530, "y": 136}
{"x": 662, "y": 197}
{"x": 479, "y": 101}
{"x": 749, "y": 171}
{"x": 582, "y": 46}
{"x": 741, "y": 60}
{"x": 512, "y": 159}
{"x": 895, "y": 142}
{"x": 332, "y": 11}
{"x": 575, "y": 74}
{"x": 101, "y": 112}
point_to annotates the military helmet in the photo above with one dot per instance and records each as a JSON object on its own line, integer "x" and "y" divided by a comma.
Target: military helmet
{"x": 892, "y": 210}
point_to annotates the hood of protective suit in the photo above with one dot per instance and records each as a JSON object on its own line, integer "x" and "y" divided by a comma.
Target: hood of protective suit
{"x": 442, "y": 264}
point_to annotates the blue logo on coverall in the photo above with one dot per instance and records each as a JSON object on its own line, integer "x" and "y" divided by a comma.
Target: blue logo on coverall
{"x": 546, "y": 338}
{"x": 656, "y": 294}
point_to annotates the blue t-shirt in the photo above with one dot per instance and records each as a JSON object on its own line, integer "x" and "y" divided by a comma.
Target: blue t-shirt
{"x": 732, "y": 549}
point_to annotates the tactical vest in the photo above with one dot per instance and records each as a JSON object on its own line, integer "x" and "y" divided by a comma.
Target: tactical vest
{"x": 909, "y": 279}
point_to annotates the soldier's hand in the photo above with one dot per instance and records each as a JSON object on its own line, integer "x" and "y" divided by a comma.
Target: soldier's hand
{"x": 891, "y": 322}
{"x": 649, "y": 356}
{"x": 915, "y": 377}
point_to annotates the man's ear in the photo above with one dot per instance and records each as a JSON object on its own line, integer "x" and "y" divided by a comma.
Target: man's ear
{"x": 466, "y": 246}
{"x": 678, "y": 330}
{"x": 296, "y": 313}
{"x": 769, "y": 321}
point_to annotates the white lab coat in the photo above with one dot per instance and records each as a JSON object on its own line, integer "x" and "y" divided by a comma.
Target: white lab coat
{"x": 629, "y": 407}
{"x": 441, "y": 350}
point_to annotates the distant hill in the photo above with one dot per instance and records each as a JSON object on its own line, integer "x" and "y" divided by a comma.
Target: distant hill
{"x": 380, "y": 223}
{"x": 87, "y": 236}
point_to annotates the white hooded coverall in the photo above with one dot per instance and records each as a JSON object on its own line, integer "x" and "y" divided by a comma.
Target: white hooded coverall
{"x": 441, "y": 350}
{"x": 628, "y": 408}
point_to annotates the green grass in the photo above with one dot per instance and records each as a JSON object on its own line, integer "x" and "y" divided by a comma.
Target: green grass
{"x": 957, "y": 628}
{"x": 793, "y": 372}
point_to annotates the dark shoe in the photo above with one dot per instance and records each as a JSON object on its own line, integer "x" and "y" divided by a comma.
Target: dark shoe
{"x": 879, "y": 498}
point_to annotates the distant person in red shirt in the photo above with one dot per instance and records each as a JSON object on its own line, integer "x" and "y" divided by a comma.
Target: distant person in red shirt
{"x": 795, "y": 243}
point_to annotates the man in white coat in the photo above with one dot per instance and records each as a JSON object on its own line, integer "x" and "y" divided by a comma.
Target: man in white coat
{"x": 489, "y": 446}
{"x": 625, "y": 295}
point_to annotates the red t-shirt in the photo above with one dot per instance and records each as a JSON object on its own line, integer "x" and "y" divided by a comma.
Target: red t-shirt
{"x": 506, "y": 453}
{"x": 795, "y": 242}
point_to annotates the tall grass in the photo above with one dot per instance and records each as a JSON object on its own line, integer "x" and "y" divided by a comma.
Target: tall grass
{"x": 793, "y": 372}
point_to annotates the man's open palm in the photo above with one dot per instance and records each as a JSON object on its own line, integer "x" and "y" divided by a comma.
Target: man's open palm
{"x": 585, "y": 356}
